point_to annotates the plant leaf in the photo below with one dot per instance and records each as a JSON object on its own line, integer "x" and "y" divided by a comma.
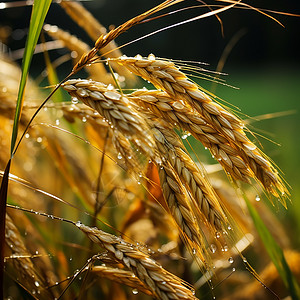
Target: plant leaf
{"x": 39, "y": 11}
{"x": 275, "y": 252}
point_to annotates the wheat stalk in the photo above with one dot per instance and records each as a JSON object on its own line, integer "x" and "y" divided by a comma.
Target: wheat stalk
{"x": 160, "y": 282}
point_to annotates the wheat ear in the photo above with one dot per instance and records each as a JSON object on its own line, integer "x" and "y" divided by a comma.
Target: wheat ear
{"x": 121, "y": 276}
{"x": 94, "y": 29}
{"x": 160, "y": 282}
{"x": 116, "y": 109}
{"x": 166, "y": 76}
{"x": 96, "y": 71}
{"x": 105, "y": 39}
{"x": 20, "y": 257}
{"x": 205, "y": 199}
{"x": 186, "y": 118}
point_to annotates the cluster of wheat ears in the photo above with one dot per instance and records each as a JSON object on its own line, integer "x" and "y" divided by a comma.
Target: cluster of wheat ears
{"x": 135, "y": 174}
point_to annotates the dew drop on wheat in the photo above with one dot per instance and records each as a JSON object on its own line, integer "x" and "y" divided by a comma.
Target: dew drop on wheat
{"x": 27, "y": 135}
{"x": 57, "y": 122}
{"x": 83, "y": 119}
{"x": 230, "y": 260}
{"x": 36, "y": 283}
{"x": 74, "y": 100}
{"x": 120, "y": 156}
{"x": 257, "y": 198}
{"x": 135, "y": 291}
{"x": 213, "y": 248}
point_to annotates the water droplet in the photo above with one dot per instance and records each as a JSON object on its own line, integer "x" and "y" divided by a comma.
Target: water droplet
{"x": 257, "y": 198}
{"x": 74, "y": 100}
{"x": 27, "y": 135}
{"x": 194, "y": 251}
{"x": 135, "y": 291}
{"x": 120, "y": 156}
{"x": 36, "y": 252}
{"x": 233, "y": 269}
{"x": 71, "y": 258}
{"x": 57, "y": 122}
{"x": 213, "y": 248}
{"x": 78, "y": 224}
{"x": 229, "y": 227}
{"x": 230, "y": 260}
{"x": 225, "y": 248}
{"x": 184, "y": 136}
{"x": 83, "y": 119}
{"x": 39, "y": 139}
{"x": 218, "y": 234}
{"x": 151, "y": 57}
{"x": 36, "y": 283}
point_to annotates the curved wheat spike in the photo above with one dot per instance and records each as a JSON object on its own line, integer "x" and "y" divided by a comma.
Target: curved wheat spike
{"x": 160, "y": 282}
{"x": 194, "y": 180}
{"x": 184, "y": 117}
{"x": 20, "y": 258}
{"x": 116, "y": 109}
{"x": 94, "y": 29}
{"x": 166, "y": 76}
{"x": 121, "y": 276}
{"x": 97, "y": 71}
{"x": 105, "y": 39}
{"x": 177, "y": 199}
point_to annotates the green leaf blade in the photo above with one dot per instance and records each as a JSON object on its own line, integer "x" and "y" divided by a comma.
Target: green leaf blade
{"x": 39, "y": 12}
{"x": 275, "y": 252}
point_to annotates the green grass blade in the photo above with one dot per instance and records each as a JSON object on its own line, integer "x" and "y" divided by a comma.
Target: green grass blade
{"x": 275, "y": 252}
{"x": 39, "y": 12}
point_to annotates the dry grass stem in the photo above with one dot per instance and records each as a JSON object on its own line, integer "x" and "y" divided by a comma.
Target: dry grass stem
{"x": 160, "y": 282}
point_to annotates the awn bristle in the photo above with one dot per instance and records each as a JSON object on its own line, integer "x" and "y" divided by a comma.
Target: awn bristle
{"x": 160, "y": 282}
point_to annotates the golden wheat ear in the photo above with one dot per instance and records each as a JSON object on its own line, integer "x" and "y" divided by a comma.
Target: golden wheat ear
{"x": 94, "y": 29}
{"x": 165, "y": 75}
{"x": 162, "y": 284}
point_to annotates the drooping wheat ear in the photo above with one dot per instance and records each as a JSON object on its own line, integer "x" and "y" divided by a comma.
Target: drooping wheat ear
{"x": 116, "y": 109}
{"x": 194, "y": 180}
{"x": 166, "y": 76}
{"x": 121, "y": 276}
{"x": 97, "y": 71}
{"x": 105, "y": 39}
{"x": 94, "y": 29}
{"x": 160, "y": 282}
{"x": 23, "y": 266}
{"x": 183, "y": 117}
{"x": 177, "y": 200}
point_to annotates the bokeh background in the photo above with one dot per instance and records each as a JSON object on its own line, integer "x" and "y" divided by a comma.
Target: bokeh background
{"x": 264, "y": 63}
